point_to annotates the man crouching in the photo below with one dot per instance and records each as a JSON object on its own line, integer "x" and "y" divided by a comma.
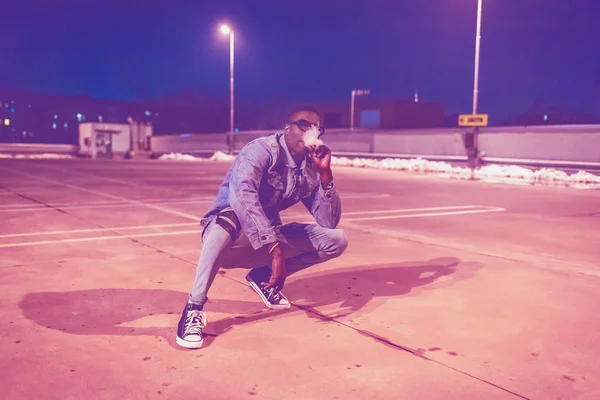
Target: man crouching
{"x": 243, "y": 228}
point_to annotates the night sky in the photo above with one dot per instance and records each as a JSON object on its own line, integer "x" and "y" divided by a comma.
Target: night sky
{"x": 533, "y": 52}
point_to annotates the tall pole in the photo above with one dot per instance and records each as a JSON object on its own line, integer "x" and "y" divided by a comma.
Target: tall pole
{"x": 231, "y": 101}
{"x": 353, "y": 95}
{"x": 477, "y": 51}
{"x": 475, "y": 155}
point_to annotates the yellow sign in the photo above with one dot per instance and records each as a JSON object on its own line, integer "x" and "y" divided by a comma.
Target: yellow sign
{"x": 473, "y": 120}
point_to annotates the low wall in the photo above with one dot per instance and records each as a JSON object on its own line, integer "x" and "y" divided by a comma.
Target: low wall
{"x": 189, "y": 143}
{"x": 576, "y": 145}
{"x": 563, "y": 144}
{"x": 37, "y": 148}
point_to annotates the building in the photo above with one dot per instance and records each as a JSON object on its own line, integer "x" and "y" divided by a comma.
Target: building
{"x": 43, "y": 118}
{"x": 552, "y": 116}
{"x": 373, "y": 113}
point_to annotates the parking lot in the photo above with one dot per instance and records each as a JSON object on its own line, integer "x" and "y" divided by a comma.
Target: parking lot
{"x": 449, "y": 290}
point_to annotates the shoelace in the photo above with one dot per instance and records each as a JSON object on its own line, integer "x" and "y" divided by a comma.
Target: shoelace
{"x": 193, "y": 323}
{"x": 274, "y": 296}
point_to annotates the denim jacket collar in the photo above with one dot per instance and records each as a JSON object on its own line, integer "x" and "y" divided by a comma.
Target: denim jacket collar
{"x": 291, "y": 163}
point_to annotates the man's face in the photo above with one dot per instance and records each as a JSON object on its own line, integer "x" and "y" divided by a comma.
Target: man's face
{"x": 299, "y": 123}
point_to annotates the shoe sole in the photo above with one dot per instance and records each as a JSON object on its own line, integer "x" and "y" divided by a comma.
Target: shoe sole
{"x": 264, "y": 299}
{"x": 187, "y": 344}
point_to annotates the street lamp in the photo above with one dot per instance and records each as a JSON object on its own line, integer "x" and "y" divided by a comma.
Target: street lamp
{"x": 354, "y": 93}
{"x": 477, "y": 51}
{"x": 474, "y": 156}
{"x": 228, "y": 31}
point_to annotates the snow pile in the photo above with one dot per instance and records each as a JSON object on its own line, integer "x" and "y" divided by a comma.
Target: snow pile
{"x": 218, "y": 156}
{"x": 584, "y": 177}
{"x": 509, "y": 174}
{"x": 179, "y": 157}
{"x": 50, "y": 156}
{"x": 412, "y": 165}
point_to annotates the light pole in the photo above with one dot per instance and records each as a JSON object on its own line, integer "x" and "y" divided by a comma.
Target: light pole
{"x": 475, "y": 144}
{"x": 354, "y": 93}
{"x": 228, "y": 31}
{"x": 477, "y": 51}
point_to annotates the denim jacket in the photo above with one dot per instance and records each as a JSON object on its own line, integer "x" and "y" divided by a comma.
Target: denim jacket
{"x": 264, "y": 180}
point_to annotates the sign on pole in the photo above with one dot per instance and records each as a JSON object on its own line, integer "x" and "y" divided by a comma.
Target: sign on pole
{"x": 473, "y": 120}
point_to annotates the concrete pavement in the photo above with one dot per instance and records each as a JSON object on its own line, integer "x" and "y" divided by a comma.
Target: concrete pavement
{"x": 449, "y": 289}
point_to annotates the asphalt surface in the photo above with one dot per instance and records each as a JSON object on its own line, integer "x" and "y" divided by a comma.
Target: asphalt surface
{"x": 448, "y": 290}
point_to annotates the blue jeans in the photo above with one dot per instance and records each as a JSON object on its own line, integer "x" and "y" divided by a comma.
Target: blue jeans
{"x": 303, "y": 245}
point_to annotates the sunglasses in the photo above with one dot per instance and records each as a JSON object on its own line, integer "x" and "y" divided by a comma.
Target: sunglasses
{"x": 305, "y": 125}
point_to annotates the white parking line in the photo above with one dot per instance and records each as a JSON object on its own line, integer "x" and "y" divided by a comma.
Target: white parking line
{"x": 90, "y": 239}
{"x": 111, "y": 196}
{"x": 434, "y": 214}
{"x": 115, "y": 205}
{"x": 364, "y": 195}
{"x": 391, "y": 214}
{"x": 110, "y": 202}
{"x": 406, "y": 210}
{"x": 121, "y": 228}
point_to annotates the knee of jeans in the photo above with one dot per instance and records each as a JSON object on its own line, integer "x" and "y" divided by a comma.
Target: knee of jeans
{"x": 337, "y": 242}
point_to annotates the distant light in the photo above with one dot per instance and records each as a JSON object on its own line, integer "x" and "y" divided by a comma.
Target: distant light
{"x": 7, "y": 122}
{"x": 148, "y": 113}
{"x": 54, "y": 126}
{"x": 55, "y": 116}
{"x": 66, "y": 125}
{"x": 29, "y": 106}
{"x": 225, "y": 30}
{"x": 12, "y": 110}
{"x": 236, "y": 130}
{"x": 80, "y": 117}
{"x": 546, "y": 117}
{"x": 100, "y": 118}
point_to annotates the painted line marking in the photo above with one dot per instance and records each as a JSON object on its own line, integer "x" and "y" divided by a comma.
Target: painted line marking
{"x": 116, "y": 205}
{"x": 364, "y": 195}
{"x": 122, "y": 228}
{"x": 162, "y": 209}
{"x": 127, "y": 183}
{"x": 385, "y": 217}
{"x": 110, "y": 202}
{"x": 90, "y": 239}
{"x": 424, "y": 215}
{"x": 404, "y": 210}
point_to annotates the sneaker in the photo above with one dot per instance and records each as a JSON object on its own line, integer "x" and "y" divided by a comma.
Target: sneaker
{"x": 273, "y": 299}
{"x": 189, "y": 330}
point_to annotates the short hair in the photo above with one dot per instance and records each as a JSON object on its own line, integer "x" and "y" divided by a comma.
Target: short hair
{"x": 301, "y": 109}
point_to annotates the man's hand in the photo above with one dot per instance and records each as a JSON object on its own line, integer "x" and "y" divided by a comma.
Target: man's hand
{"x": 278, "y": 270}
{"x": 321, "y": 156}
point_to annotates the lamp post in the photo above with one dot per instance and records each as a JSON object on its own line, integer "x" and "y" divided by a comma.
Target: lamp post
{"x": 228, "y": 31}
{"x": 477, "y": 51}
{"x": 354, "y": 93}
{"x": 475, "y": 144}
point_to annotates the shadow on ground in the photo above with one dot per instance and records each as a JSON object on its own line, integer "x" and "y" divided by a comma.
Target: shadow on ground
{"x": 363, "y": 288}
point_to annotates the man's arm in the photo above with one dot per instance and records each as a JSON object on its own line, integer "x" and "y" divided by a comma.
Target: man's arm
{"x": 324, "y": 203}
{"x": 244, "y": 186}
